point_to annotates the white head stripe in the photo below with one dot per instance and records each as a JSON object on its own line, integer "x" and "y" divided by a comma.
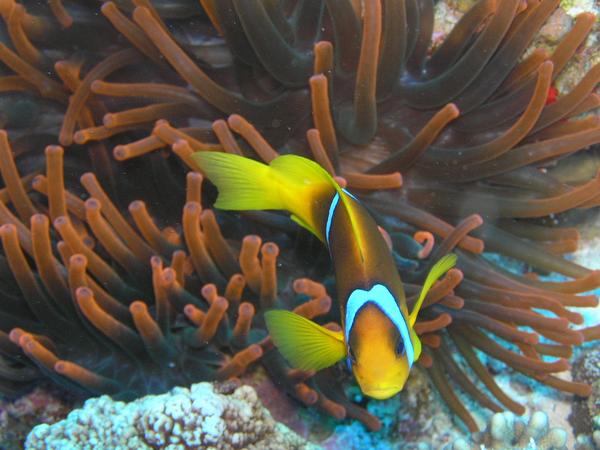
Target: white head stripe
{"x": 383, "y": 298}
{"x": 334, "y": 202}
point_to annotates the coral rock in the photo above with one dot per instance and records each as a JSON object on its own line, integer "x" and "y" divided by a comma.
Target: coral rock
{"x": 18, "y": 417}
{"x": 198, "y": 417}
{"x": 586, "y": 412}
{"x": 507, "y": 432}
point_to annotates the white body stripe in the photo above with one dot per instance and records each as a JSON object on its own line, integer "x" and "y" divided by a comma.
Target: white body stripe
{"x": 350, "y": 194}
{"x": 385, "y": 301}
{"x": 334, "y": 203}
{"x": 331, "y": 212}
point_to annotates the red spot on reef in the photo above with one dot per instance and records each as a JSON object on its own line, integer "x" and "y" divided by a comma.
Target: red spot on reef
{"x": 552, "y": 94}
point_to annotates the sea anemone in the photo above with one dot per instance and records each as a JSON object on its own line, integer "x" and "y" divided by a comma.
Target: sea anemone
{"x": 470, "y": 124}
{"x": 131, "y": 324}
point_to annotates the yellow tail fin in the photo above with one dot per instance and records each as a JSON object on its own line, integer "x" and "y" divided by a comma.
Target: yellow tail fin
{"x": 243, "y": 184}
{"x": 290, "y": 182}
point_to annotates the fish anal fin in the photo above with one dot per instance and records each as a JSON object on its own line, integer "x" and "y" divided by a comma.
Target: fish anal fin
{"x": 303, "y": 343}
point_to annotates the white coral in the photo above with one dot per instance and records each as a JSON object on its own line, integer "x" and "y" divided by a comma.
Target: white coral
{"x": 183, "y": 418}
{"x": 508, "y": 432}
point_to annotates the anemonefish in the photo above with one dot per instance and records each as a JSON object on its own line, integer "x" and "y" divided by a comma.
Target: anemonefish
{"x": 377, "y": 338}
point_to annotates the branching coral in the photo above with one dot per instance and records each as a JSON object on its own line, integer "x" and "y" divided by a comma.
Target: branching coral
{"x": 203, "y": 416}
{"x": 469, "y": 125}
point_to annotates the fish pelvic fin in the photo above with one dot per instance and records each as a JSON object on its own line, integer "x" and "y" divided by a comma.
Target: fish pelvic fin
{"x": 439, "y": 269}
{"x": 303, "y": 343}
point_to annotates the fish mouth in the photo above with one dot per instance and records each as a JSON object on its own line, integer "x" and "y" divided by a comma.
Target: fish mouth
{"x": 382, "y": 393}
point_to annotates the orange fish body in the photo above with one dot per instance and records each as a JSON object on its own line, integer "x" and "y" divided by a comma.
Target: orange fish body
{"x": 377, "y": 336}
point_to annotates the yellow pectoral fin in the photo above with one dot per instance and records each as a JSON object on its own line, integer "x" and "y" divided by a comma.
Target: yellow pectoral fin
{"x": 303, "y": 343}
{"x": 439, "y": 269}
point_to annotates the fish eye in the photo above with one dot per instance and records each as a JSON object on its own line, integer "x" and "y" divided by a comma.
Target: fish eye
{"x": 400, "y": 349}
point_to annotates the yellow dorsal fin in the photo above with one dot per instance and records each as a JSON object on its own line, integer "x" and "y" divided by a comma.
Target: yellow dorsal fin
{"x": 417, "y": 347}
{"x": 347, "y": 202}
{"x": 439, "y": 269}
{"x": 303, "y": 343}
